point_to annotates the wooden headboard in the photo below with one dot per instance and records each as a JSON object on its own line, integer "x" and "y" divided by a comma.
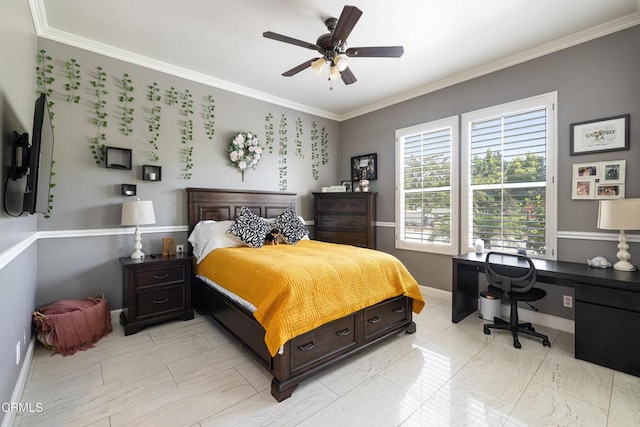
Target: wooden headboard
{"x": 219, "y": 205}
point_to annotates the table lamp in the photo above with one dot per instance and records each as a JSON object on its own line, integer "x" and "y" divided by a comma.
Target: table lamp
{"x": 623, "y": 215}
{"x": 138, "y": 213}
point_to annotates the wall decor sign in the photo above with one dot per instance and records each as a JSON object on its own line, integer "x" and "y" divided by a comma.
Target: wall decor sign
{"x": 364, "y": 167}
{"x": 596, "y": 136}
{"x": 599, "y": 180}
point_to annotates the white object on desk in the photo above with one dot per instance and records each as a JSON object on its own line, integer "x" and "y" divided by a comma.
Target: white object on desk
{"x": 479, "y": 246}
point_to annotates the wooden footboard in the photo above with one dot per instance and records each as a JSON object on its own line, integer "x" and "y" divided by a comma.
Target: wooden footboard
{"x": 307, "y": 354}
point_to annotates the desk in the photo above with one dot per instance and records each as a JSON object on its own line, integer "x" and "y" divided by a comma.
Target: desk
{"x": 607, "y": 307}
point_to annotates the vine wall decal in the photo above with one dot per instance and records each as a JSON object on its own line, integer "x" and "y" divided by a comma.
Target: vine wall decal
{"x": 299, "y": 134}
{"x": 324, "y": 146}
{"x": 153, "y": 96}
{"x": 187, "y": 132}
{"x": 126, "y": 118}
{"x": 100, "y": 116}
{"x": 209, "y": 116}
{"x": 315, "y": 163}
{"x": 268, "y": 131}
{"x": 282, "y": 152}
{"x": 72, "y": 85}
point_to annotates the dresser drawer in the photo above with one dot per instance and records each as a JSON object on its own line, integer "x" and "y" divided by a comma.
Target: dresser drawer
{"x": 160, "y": 301}
{"x": 386, "y": 315}
{"x": 335, "y": 204}
{"x": 349, "y": 222}
{"x": 313, "y": 346}
{"x": 343, "y": 237}
{"x": 160, "y": 276}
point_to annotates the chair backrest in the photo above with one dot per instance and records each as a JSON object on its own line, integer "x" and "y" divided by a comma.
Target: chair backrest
{"x": 510, "y": 272}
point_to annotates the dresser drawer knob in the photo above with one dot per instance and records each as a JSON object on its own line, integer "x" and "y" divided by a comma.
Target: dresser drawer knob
{"x": 344, "y": 332}
{"x": 160, "y": 301}
{"x": 164, "y": 276}
{"x": 307, "y": 346}
{"x": 375, "y": 319}
{"x": 398, "y": 310}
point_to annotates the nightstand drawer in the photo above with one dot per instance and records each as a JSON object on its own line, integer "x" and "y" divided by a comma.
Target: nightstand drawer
{"x": 385, "y": 315}
{"x": 161, "y": 301}
{"x": 160, "y": 276}
{"x": 348, "y": 222}
{"x": 354, "y": 205}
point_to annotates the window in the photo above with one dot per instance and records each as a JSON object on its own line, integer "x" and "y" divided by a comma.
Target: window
{"x": 507, "y": 177}
{"x": 427, "y": 187}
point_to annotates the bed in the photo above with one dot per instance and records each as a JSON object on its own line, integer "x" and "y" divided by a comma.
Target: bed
{"x": 304, "y": 355}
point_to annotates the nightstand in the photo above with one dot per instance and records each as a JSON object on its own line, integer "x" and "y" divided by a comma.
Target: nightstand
{"x": 155, "y": 289}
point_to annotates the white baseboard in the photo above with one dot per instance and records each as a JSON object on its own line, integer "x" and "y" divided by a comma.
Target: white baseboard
{"x": 435, "y": 293}
{"x": 16, "y": 396}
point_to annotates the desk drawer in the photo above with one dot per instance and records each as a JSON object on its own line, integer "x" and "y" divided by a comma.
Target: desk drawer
{"x": 355, "y": 205}
{"x": 159, "y": 276}
{"x": 323, "y": 342}
{"x": 386, "y": 315}
{"x": 617, "y": 298}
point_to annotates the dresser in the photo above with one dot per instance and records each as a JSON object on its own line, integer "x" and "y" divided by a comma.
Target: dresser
{"x": 155, "y": 289}
{"x": 347, "y": 218}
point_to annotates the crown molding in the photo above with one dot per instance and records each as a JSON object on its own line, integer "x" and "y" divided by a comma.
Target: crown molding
{"x": 43, "y": 30}
{"x": 601, "y": 30}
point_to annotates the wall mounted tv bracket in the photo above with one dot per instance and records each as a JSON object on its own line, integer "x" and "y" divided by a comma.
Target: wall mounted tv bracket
{"x": 19, "y": 170}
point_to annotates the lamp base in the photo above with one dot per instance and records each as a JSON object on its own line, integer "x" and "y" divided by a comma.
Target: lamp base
{"x": 624, "y": 266}
{"x": 137, "y": 255}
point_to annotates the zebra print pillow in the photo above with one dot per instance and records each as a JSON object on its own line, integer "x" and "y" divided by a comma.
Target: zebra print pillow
{"x": 249, "y": 228}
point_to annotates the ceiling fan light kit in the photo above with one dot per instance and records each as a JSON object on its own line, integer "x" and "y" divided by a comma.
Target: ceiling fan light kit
{"x": 333, "y": 48}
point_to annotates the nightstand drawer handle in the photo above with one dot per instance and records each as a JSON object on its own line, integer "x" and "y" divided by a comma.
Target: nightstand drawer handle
{"x": 307, "y": 346}
{"x": 161, "y": 277}
{"x": 375, "y": 319}
{"x": 160, "y": 301}
{"x": 344, "y": 332}
{"x": 398, "y": 310}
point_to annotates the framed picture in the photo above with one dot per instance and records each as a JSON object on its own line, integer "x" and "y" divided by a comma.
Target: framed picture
{"x": 584, "y": 188}
{"x": 364, "y": 167}
{"x": 609, "y": 191}
{"x": 596, "y": 136}
{"x": 347, "y": 185}
{"x": 613, "y": 171}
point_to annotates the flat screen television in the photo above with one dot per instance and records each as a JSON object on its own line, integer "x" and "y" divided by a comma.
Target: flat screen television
{"x": 34, "y": 160}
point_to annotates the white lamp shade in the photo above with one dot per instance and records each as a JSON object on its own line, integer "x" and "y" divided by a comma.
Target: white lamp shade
{"x": 622, "y": 214}
{"x": 341, "y": 62}
{"x": 318, "y": 65}
{"x": 138, "y": 213}
{"x": 334, "y": 73}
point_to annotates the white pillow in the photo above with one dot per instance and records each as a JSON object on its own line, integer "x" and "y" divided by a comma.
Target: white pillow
{"x": 210, "y": 235}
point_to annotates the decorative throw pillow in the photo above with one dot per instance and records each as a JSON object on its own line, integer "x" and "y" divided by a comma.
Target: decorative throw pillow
{"x": 249, "y": 228}
{"x": 290, "y": 226}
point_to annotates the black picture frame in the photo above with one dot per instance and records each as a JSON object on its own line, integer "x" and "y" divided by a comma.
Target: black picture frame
{"x": 364, "y": 167}
{"x": 600, "y": 135}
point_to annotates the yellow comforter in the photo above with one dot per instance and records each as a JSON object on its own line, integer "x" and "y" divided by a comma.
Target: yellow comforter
{"x": 297, "y": 288}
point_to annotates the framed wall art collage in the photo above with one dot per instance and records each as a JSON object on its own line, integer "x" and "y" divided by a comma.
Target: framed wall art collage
{"x": 599, "y": 180}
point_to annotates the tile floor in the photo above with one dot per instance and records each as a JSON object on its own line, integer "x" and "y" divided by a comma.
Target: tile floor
{"x": 192, "y": 374}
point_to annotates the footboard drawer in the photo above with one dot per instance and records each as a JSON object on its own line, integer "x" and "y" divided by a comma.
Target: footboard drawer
{"x": 323, "y": 342}
{"x": 386, "y": 315}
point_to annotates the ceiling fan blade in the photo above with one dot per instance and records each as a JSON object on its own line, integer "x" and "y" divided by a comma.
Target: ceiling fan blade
{"x": 296, "y": 70}
{"x": 347, "y": 76}
{"x": 291, "y": 40}
{"x": 348, "y": 19}
{"x": 376, "y": 52}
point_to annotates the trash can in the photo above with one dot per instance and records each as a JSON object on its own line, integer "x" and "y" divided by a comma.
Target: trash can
{"x": 489, "y": 306}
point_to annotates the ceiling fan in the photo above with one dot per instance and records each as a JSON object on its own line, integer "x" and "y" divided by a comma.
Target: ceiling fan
{"x": 333, "y": 47}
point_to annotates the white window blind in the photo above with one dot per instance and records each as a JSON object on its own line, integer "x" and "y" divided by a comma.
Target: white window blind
{"x": 426, "y": 187}
{"x": 508, "y": 192}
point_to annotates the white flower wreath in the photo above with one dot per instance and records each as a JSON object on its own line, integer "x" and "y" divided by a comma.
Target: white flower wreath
{"x": 245, "y": 151}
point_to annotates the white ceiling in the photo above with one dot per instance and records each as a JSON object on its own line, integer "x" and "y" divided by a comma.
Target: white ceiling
{"x": 219, "y": 42}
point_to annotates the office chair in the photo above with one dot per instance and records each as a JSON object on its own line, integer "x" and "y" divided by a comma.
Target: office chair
{"x": 512, "y": 276}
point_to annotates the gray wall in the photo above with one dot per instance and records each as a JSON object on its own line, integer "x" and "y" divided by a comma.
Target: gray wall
{"x": 17, "y": 268}
{"x": 88, "y": 197}
{"x": 594, "y": 80}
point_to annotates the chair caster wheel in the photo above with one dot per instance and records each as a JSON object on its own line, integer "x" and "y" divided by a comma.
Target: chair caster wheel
{"x": 546, "y": 343}
{"x": 517, "y": 344}
{"x": 487, "y": 331}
